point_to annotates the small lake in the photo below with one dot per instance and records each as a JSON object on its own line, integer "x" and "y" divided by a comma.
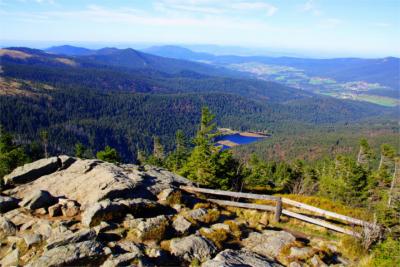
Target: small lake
{"x": 237, "y": 139}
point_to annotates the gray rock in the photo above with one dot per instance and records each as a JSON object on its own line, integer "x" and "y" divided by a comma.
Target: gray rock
{"x": 67, "y": 238}
{"x": 103, "y": 211}
{"x": 77, "y": 254}
{"x": 121, "y": 260}
{"x": 294, "y": 264}
{"x": 243, "y": 258}
{"x": 159, "y": 179}
{"x": 32, "y": 239}
{"x": 8, "y": 203}
{"x": 38, "y": 199}
{"x": 7, "y": 228}
{"x": 147, "y": 229}
{"x": 268, "y": 243}
{"x": 129, "y": 246}
{"x": 32, "y": 171}
{"x": 197, "y": 214}
{"x": 181, "y": 225}
{"x": 11, "y": 259}
{"x": 191, "y": 247}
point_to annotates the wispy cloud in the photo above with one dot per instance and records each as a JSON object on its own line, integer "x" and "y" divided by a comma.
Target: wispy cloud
{"x": 216, "y": 7}
{"x": 311, "y": 7}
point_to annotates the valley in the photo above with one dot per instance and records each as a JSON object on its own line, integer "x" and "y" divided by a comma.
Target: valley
{"x": 369, "y": 80}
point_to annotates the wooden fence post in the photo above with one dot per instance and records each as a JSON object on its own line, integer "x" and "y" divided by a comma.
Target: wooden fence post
{"x": 278, "y": 209}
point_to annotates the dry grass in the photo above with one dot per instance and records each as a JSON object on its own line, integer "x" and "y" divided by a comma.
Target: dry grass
{"x": 235, "y": 230}
{"x": 352, "y": 248}
{"x": 14, "y": 54}
{"x": 211, "y": 216}
{"x": 202, "y": 205}
{"x": 329, "y": 205}
{"x": 174, "y": 198}
{"x": 217, "y": 236}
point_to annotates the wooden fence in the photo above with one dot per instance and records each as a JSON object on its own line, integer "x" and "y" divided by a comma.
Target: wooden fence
{"x": 278, "y": 209}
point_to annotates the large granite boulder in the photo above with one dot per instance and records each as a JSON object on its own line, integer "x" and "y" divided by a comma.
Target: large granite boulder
{"x": 103, "y": 211}
{"x": 269, "y": 243}
{"x": 243, "y": 258}
{"x": 32, "y": 171}
{"x": 78, "y": 254}
{"x": 192, "y": 247}
{"x": 71, "y": 238}
{"x": 87, "y": 182}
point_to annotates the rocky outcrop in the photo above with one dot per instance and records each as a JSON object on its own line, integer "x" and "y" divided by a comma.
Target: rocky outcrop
{"x": 71, "y": 212}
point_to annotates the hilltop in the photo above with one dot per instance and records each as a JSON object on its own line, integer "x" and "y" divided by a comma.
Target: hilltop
{"x": 68, "y": 211}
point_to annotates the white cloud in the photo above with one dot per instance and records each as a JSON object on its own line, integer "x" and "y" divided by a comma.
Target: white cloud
{"x": 310, "y": 7}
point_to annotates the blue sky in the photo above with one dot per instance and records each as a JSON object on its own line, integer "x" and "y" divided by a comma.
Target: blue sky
{"x": 340, "y": 27}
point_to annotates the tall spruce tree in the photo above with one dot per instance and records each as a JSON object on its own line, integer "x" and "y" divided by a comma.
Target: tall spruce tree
{"x": 207, "y": 165}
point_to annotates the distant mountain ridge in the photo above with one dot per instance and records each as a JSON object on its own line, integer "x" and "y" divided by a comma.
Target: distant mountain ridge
{"x": 134, "y": 59}
{"x": 69, "y": 50}
{"x": 381, "y": 70}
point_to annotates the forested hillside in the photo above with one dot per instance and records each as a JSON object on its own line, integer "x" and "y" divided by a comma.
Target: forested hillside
{"x": 77, "y": 99}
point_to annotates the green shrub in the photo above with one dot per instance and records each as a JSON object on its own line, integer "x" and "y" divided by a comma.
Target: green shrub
{"x": 386, "y": 254}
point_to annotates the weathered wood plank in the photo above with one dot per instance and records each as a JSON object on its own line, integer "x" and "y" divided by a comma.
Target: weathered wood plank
{"x": 242, "y": 205}
{"x": 228, "y": 193}
{"x": 287, "y": 201}
{"x": 288, "y": 213}
{"x": 326, "y": 213}
{"x": 278, "y": 210}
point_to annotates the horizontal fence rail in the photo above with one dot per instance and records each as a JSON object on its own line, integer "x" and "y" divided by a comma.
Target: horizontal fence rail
{"x": 286, "y": 212}
{"x": 278, "y": 208}
{"x": 326, "y": 213}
